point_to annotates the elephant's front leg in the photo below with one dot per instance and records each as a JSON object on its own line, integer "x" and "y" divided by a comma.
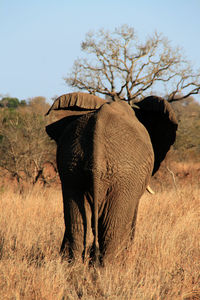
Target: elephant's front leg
{"x": 77, "y": 217}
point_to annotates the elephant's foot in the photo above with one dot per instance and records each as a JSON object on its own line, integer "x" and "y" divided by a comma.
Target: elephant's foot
{"x": 66, "y": 253}
{"x": 95, "y": 257}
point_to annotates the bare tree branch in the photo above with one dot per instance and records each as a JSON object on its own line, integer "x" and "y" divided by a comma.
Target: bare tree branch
{"x": 122, "y": 68}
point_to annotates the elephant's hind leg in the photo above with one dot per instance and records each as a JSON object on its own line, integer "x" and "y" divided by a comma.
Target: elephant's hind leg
{"x": 77, "y": 217}
{"x": 115, "y": 225}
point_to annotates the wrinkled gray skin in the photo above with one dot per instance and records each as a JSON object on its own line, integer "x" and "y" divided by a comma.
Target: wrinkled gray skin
{"x": 106, "y": 154}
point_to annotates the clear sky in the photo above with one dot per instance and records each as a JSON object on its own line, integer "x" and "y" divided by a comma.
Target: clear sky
{"x": 40, "y": 39}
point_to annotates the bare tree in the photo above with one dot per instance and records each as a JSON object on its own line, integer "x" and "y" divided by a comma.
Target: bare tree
{"x": 121, "y": 67}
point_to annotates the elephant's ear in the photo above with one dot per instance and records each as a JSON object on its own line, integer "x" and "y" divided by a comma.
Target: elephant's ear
{"x": 55, "y": 130}
{"x": 157, "y": 115}
{"x": 77, "y": 101}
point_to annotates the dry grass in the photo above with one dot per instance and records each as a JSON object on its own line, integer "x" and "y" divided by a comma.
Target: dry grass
{"x": 163, "y": 262}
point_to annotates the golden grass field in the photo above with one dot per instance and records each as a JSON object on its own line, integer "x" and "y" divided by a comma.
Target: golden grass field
{"x": 162, "y": 263}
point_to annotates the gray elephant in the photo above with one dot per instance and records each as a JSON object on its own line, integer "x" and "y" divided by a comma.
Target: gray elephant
{"x": 106, "y": 154}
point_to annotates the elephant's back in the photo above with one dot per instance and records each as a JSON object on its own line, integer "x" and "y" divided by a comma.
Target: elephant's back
{"x": 122, "y": 145}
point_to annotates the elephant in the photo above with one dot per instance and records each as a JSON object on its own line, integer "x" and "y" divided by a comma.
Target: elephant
{"x": 106, "y": 154}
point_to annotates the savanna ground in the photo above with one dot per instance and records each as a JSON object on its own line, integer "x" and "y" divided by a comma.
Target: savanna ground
{"x": 162, "y": 263}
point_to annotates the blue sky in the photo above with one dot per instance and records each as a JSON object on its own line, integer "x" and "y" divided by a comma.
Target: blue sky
{"x": 40, "y": 39}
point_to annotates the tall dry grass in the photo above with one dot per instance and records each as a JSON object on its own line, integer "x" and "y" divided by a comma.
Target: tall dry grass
{"x": 163, "y": 263}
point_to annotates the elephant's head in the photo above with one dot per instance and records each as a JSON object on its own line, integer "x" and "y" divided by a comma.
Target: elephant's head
{"x": 77, "y": 102}
{"x": 153, "y": 112}
{"x": 73, "y": 105}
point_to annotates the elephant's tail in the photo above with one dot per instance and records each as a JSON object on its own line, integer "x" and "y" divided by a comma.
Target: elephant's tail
{"x": 95, "y": 214}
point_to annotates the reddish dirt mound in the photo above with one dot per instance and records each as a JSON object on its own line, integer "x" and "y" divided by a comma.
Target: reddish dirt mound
{"x": 173, "y": 174}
